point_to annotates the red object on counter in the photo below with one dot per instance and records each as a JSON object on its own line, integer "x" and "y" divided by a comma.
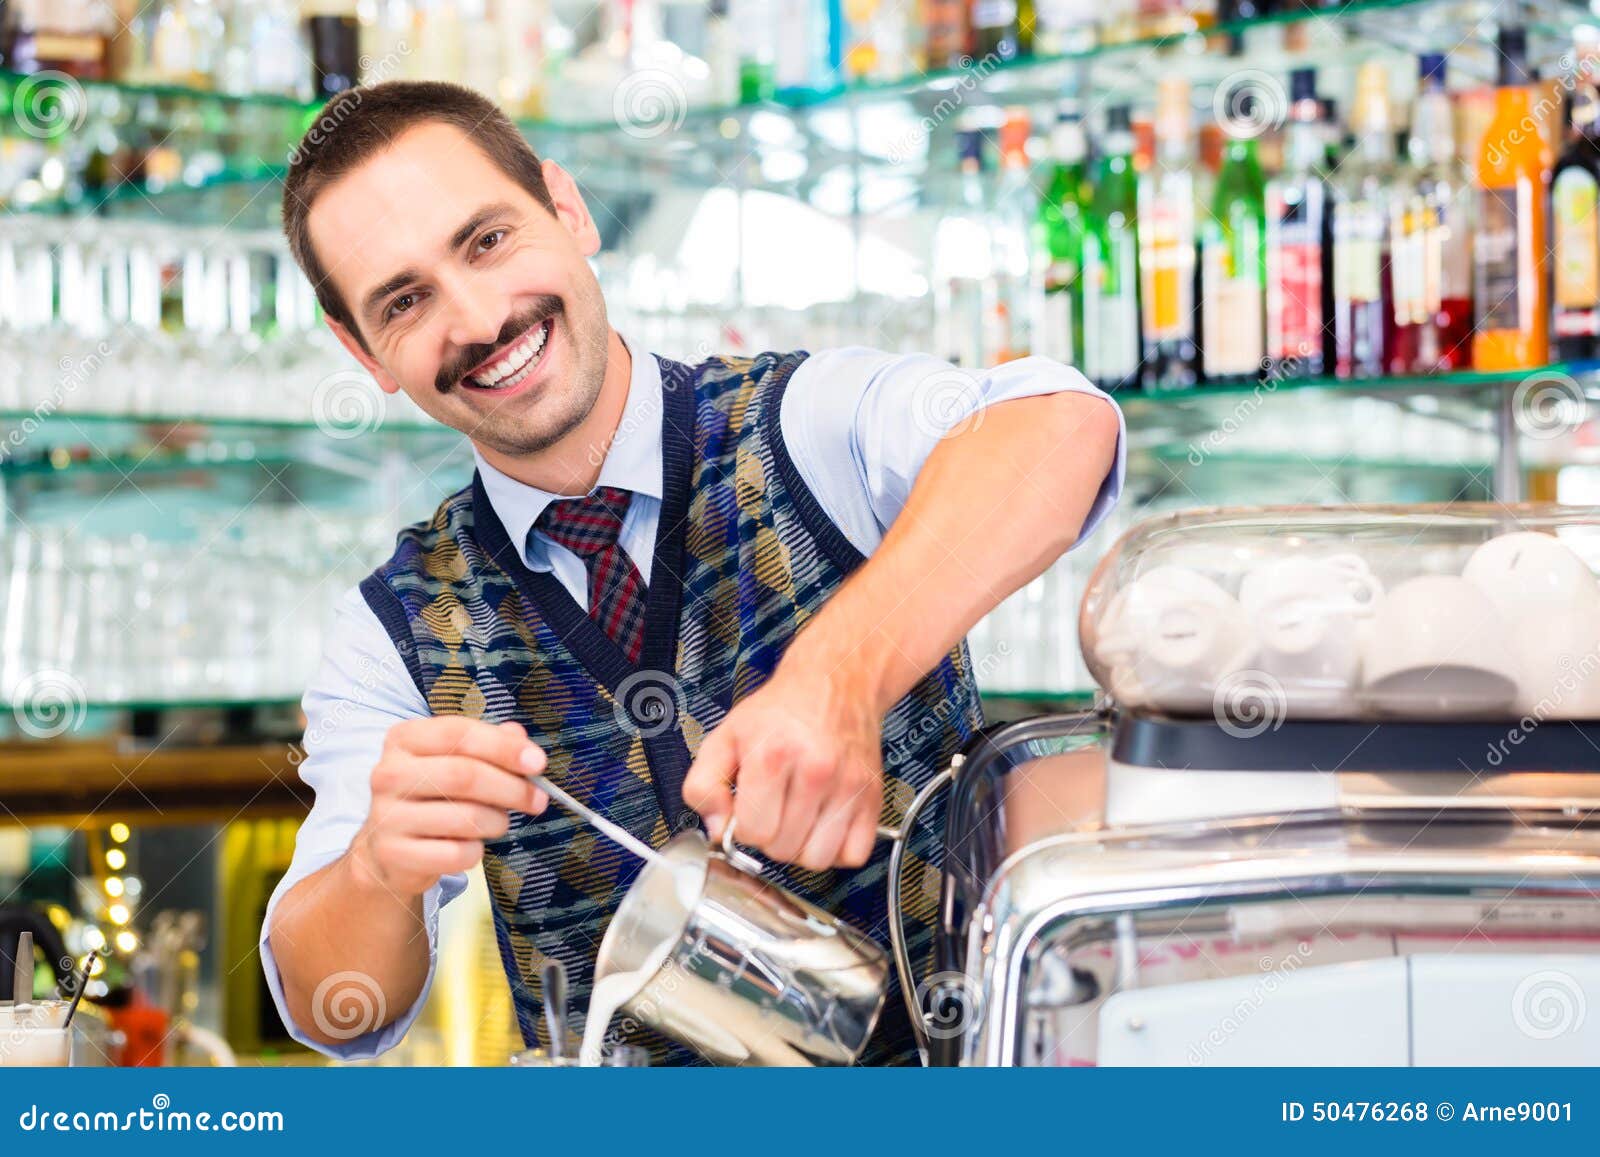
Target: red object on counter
{"x": 145, "y": 1028}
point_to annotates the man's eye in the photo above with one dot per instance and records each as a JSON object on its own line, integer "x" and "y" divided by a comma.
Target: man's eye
{"x": 402, "y": 303}
{"x": 490, "y": 239}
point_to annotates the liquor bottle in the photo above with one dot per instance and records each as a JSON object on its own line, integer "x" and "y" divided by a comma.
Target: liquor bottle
{"x": 1166, "y": 245}
{"x": 520, "y": 27}
{"x": 1509, "y": 292}
{"x": 1112, "y": 346}
{"x": 334, "y": 34}
{"x": 1015, "y": 205}
{"x": 963, "y": 264}
{"x": 1058, "y": 232}
{"x": 1363, "y": 187}
{"x": 51, "y": 36}
{"x": 946, "y": 34}
{"x": 439, "y": 53}
{"x": 1431, "y": 239}
{"x": 1575, "y": 222}
{"x": 994, "y": 29}
{"x": 752, "y": 21}
{"x": 1299, "y": 243}
{"x": 876, "y": 40}
{"x": 721, "y": 55}
{"x": 1233, "y": 267}
{"x": 1064, "y": 26}
{"x": 807, "y": 58}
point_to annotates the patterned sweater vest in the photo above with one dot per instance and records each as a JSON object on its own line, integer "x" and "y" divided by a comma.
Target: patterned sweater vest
{"x": 744, "y": 557}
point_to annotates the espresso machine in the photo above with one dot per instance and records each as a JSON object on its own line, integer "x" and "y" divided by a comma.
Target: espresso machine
{"x": 1339, "y": 806}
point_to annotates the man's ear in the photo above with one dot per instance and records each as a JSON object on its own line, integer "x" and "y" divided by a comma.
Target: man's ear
{"x": 369, "y": 363}
{"x": 570, "y": 209}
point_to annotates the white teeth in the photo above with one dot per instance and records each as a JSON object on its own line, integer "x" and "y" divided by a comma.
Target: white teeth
{"x": 514, "y": 365}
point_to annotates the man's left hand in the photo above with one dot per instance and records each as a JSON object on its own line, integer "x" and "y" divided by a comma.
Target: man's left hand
{"x": 804, "y": 751}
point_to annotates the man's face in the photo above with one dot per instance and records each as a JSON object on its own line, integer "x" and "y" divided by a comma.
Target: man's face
{"x": 472, "y": 297}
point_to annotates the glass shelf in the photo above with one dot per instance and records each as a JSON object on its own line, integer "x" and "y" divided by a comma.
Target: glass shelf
{"x": 1139, "y": 405}
{"x": 202, "y": 424}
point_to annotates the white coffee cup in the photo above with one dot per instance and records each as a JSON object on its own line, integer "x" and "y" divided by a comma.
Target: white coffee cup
{"x": 1309, "y": 615}
{"x": 1437, "y": 648}
{"x": 1171, "y": 636}
{"x": 1550, "y": 600}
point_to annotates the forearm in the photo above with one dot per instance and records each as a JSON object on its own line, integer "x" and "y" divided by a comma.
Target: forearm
{"x": 338, "y": 920}
{"x": 993, "y": 506}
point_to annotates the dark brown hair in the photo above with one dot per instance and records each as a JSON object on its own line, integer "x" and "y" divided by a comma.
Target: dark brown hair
{"x": 359, "y": 122}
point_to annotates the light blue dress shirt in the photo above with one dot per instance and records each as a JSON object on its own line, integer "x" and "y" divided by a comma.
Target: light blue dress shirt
{"x": 858, "y": 424}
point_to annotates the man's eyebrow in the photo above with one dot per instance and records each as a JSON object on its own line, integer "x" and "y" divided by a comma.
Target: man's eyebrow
{"x": 477, "y": 221}
{"x": 396, "y": 283}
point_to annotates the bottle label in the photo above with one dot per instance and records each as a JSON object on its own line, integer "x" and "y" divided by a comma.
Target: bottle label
{"x": 1358, "y": 252}
{"x": 1577, "y": 254}
{"x": 1056, "y": 338}
{"x": 1498, "y": 255}
{"x": 1233, "y": 340}
{"x": 1111, "y": 311}
{"x": 994, "y": 13}
{"x": 1165, "y": 272}
{"x": 1296, "y": 300}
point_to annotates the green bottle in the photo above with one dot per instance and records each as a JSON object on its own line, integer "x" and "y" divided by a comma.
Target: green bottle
{"x": 1113, "y": 346}
{"x": 1058, "y": 229}
{"x": 1233, "y": 269}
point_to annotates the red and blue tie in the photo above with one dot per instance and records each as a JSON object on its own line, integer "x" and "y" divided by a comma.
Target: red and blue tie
{"x": 589, "y": 527}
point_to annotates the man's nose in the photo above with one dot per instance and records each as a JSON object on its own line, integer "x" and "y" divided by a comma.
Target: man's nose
{"x": 477, "y": 313}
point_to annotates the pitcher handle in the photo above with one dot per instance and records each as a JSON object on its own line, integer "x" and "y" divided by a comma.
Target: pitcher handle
{"x": 736, "y": 855}
{"x": 897, "y": 918}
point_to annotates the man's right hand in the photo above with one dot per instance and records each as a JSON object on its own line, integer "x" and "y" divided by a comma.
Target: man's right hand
{"x": 443, "y": 785}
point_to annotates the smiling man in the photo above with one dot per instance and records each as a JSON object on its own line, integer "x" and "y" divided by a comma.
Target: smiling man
{"x": 617, "y": 600}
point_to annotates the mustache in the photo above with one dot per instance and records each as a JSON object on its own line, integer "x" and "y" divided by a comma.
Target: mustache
{"x": 469, "y": 356}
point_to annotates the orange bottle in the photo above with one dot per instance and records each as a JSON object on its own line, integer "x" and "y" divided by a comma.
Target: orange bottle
{"x": 1511, "y": 297}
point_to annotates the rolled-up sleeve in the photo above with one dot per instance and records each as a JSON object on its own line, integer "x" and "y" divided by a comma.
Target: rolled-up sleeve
{"x": 859, "y": 424}
{"x": 360, "y": 690}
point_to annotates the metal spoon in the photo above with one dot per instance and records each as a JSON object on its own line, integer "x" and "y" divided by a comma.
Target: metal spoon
{"x": 553, "y": 979}
{"x": 22, "y": 969}
{"x": 618, "y": 835}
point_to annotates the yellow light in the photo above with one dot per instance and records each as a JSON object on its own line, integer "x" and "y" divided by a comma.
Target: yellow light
{"x": 116, "y": 859}
{"x": 113, "y": 885}
{"x": 126, "y": 941}
{"x": 99, "y": 965}
{"x": 119, "y": 832}
{"x": 118, "y": 913}
{"x": 94, "y": 940}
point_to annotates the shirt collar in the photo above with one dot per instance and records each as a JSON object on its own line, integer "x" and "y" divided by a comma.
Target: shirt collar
{"x": 632, "y": 463}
